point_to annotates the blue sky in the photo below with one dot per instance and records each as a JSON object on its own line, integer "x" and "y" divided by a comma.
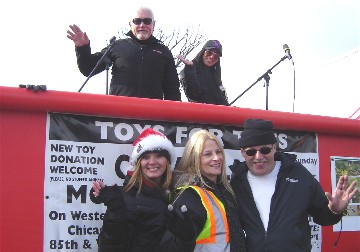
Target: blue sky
{"x": 323, "y": 37}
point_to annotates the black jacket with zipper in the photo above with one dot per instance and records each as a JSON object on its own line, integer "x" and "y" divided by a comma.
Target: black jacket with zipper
{"x": 140, "y": 68}
{"x": 201, "y": 84}
{"x": 297, "y": 196}
{"x": 139, "y": 224}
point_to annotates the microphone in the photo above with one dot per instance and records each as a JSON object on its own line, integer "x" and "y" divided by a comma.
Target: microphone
{"x": 112, "y": 40}
{"x": 287, "y": 51}
{"x": 104, "y": 58}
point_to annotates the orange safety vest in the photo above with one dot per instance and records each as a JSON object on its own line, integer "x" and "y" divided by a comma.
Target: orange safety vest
{"x": 215, "y": 233}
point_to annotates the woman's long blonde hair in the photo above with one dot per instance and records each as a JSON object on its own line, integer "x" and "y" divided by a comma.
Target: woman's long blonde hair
{"x": 138, "y": 177}
{"x": 189, "y": 165}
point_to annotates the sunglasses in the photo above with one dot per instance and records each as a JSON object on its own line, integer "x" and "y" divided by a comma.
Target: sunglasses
{"x": 138, "y": 21}
{"x": 209, "y": 53}
{"x": 262, "y": 150}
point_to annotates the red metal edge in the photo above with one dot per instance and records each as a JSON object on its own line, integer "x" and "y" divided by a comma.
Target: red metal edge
{"x": 130, "y": 107}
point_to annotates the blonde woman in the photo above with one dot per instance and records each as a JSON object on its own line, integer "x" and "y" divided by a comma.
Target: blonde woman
{"x": 205, "y": 198}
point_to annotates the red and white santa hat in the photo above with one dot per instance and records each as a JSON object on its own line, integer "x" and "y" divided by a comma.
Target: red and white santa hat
{"x": 151, "y": 140}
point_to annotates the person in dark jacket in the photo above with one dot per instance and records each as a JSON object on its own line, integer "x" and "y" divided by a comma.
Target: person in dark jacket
{"x": 142, "y": 66}
{"x": 276, "y": 194}
{"x": 134, "y": 220}
{"x": 202, "y": 186}
{"x": 201, "y": 78}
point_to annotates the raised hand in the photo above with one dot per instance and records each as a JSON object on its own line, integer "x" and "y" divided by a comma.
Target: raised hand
{"x": 97, "y": 186}
{"x": 185, "y": 61}
{"x": 95, "y": 191}
{"x": 342, "y": 195}
{"x": 75, "y": 34}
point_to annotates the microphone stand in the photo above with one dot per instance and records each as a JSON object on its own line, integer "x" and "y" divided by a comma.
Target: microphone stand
{"x": 107, "y": 63}
{"x": 266, "y": 77}
{"x": 107, "y": 67}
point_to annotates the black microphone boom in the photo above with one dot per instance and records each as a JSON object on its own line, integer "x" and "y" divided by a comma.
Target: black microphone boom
{"x": 266, "y": 75}
{"x": 287, "y": 51}
{"x": 105, "y": 59}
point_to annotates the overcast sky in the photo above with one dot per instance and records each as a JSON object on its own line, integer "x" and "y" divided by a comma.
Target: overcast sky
{"x": 323, "y": 37}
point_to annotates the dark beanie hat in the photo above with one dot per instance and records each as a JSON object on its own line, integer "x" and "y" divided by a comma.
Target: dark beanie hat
{"x": 213, "y": 44}
{"x": 257, "y": 132}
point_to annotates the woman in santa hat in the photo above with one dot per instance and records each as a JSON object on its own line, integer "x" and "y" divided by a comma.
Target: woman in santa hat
{"x": 135, "y": 219}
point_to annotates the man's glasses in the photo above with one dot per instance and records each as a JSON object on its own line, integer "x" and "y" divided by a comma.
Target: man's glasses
{"x": 209, "y": 53}
{"x": 138, "y": 21}
{"x": 262, "y": 150}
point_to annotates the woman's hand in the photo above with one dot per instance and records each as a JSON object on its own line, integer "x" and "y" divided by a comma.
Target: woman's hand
{"x": 185, "y": 61}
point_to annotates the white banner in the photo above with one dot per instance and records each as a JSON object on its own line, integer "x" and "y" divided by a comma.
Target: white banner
{"x": 80, "y": 149}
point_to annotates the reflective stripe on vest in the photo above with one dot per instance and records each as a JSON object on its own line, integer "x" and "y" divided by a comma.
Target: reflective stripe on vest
{"x": 216, "y": 227}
